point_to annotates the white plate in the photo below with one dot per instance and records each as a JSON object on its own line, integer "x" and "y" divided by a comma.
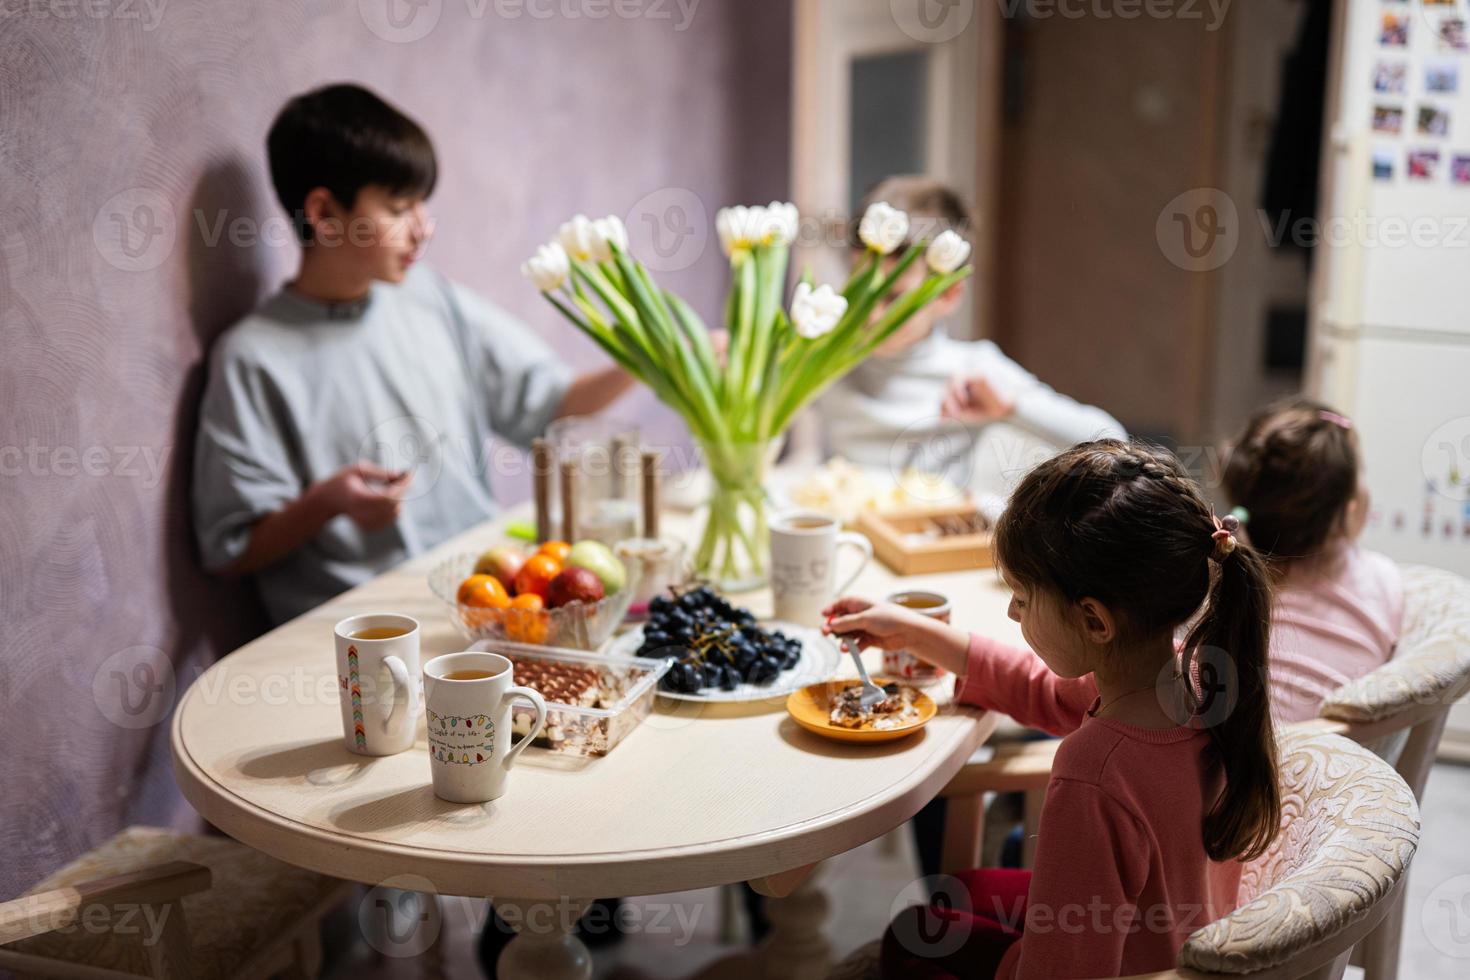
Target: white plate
{"x": 819, "y": 660}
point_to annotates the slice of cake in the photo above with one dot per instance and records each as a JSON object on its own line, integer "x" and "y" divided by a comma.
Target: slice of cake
{"x": 567, "y": 685}
{"x": 895, "y": 710}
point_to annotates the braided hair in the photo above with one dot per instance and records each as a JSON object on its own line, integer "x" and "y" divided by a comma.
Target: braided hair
{"x": 1126, "y": 525}
{"x": 1295, "y": 470}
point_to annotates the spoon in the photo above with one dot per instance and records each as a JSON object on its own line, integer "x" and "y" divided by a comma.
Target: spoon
{"x": 872, "y": 693}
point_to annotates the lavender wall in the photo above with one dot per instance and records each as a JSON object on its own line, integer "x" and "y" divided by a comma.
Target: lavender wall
{"x": 128, "y": 132}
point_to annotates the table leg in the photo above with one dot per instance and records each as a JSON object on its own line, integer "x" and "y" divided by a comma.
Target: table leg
{"x": 796, "y": 949}
{"x": 545, "y": 946}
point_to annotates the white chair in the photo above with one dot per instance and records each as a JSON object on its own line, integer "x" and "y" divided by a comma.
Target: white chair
{"x": 1399, "y": 710}
{"x": 1350, "y": 827}
{"x": 156, "y": 903}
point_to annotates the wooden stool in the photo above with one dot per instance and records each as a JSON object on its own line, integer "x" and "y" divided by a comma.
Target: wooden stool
{"x": 157, "y": 903}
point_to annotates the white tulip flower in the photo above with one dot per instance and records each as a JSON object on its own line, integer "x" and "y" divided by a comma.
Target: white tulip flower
{"x": 815, "y": 312}
{"x": 741, "y": 227}
{"x": 548, "y": 268}
{"x": 578, "y": 238}
{"x": 947, "y": 252}
{"x": 883, "y": 228}
{"x": 783, "y": 223}
{"x": 608, "y": 230}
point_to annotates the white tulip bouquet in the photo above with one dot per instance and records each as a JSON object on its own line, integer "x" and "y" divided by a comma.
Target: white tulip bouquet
{"x": 776, "y": 363}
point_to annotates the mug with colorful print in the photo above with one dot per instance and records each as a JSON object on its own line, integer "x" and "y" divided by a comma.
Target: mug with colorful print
{"x": 377, "y": 671}
{"x": 468, "y": 698}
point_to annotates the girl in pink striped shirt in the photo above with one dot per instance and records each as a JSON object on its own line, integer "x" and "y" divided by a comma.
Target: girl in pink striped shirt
{"x": 1166, "y": 778}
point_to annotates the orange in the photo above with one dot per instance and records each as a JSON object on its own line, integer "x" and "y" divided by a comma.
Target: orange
{"x": 483, "y": 591}
{"x": 526, "y": 622}
{"x": 556, "y": 549}
{"x": 530, "y": 601}
{"x": 536, "y": 574}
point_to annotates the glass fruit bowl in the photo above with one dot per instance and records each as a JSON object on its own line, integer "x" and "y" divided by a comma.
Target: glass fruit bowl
{"x": 576, "y": 625}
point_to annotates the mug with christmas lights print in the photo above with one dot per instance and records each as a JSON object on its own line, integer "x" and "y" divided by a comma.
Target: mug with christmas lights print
{"x": 467, "y": 698}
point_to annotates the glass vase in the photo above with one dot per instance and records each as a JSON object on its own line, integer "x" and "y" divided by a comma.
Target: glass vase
{"x": 734, "y": 543}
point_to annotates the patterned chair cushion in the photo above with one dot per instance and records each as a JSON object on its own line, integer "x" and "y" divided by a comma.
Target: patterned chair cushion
{"x": 1349, "y": 828}
{"x": 254, "y": 900}
{"x": 1433, "y": 659}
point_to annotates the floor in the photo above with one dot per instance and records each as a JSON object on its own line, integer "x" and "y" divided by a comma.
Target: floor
{"x": 676, "y": 935}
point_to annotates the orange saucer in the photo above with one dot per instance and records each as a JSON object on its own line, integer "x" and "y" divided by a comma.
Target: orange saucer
{"x": 811, "y": 707}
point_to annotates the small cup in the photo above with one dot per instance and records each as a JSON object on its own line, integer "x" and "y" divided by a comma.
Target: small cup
{"x": 803, "y": 564}
{"x": 376, "y": 654}
{"x": 901, "y": 663}
{"x": 653, "y": 565}
{"x": 469, "y": 724}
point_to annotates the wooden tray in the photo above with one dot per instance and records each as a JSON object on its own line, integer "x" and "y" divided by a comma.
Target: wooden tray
{"x": 888, "y": 530}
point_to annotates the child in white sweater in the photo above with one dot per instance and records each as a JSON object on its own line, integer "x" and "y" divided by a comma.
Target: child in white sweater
{"x": 925, "y": 398}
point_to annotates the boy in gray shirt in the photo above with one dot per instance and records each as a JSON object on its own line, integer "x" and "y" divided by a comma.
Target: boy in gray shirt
{"x": 346, "y": 424}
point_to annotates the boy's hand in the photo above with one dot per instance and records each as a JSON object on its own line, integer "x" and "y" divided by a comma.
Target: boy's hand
{"x": 975, "y": 401}
{"x": 366, "y": 492}
{"x": 876, "y": 624}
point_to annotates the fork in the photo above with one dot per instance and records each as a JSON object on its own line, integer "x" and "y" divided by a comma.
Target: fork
{"x": 872, "y": 693}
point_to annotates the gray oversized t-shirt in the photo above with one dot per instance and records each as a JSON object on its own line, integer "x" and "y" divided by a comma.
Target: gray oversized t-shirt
{"x": 420, "y": 375}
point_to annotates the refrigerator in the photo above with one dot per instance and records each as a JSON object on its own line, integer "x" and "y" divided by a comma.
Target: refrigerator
{"x": 1390, "y": 325}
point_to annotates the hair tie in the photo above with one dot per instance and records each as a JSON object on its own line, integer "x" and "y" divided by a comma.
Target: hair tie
{"x": 1241, "y": 515}
{"x": 1338, "y": 420}
{"x": 1224, "y": 536}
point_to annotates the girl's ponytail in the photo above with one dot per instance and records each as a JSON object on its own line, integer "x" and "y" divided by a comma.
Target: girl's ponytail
{"x": 1125, "y": 524}
{"x": 1235, "y": 629}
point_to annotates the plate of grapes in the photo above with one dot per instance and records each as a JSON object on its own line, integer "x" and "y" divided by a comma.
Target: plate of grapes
{"x": 721, "y": 652}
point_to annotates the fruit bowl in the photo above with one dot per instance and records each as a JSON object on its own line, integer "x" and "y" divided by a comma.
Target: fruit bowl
{"x": 577, "y": 625}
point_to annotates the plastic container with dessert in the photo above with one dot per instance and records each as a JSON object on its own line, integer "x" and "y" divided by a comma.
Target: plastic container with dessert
{"x": 577, "y": 625}
{"x": 592, "y": 701}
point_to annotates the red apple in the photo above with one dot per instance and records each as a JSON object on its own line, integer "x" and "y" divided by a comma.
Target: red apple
{"x": 503, "y": 562}
{"x": 573, "y": 585}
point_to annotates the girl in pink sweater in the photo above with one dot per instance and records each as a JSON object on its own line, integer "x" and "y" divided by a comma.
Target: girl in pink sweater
{"x": 1295, "y": 479}
{"x": 1166, "y": 778}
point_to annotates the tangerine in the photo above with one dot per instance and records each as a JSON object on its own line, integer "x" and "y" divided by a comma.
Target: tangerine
{"x": 536, "y": 574}
{"x": 484, "y": 592}
{"x": 484, "y": 596}
{"x": 526, "y": 621}
{"x": 556, "y": 549}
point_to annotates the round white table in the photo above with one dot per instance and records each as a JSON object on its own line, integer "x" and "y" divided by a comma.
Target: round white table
{"x": 698, "y": 795}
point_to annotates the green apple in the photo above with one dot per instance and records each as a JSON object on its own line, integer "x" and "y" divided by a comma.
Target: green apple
{"x": 598, "y": 559}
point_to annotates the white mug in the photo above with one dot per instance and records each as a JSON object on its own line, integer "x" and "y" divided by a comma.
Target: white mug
{"x": 377, "y": 682}
{"x": 469, "y": 725}
{"x": 803, "y": 564}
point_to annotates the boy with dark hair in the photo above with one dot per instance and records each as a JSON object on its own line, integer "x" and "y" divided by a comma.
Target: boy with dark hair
{"x": 345, "y": 422}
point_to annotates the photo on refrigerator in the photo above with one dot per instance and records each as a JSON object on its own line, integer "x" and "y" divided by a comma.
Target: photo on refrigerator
{"x": 1442, "y": 77}
{"x": 1383, "y": 158}
{"x": 1434, "y": 121}
{"x": 1423, "y": 164}
{"x": 1388, "y": 119}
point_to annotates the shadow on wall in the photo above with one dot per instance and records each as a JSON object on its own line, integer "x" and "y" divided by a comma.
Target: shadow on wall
{"x": 225, "y": 282}
{"x": 212, "y": 615}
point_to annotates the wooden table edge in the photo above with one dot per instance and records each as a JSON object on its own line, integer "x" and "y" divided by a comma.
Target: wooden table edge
{"x": 645, "y": 873}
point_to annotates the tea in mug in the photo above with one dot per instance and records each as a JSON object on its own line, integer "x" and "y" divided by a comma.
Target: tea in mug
{"x": 808, "y": 523}
{"x": 380, "y": 633}
{"x": 901, "y": 663}
{"x": 919, "y": 600}
{"x": 467, "y": 675}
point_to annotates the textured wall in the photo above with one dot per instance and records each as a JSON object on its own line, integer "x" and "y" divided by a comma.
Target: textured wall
{"x": 129, "y": 130}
